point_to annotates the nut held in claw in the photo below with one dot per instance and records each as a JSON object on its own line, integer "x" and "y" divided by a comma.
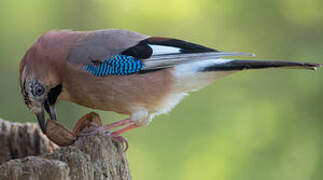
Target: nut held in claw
{"x": 64, "y": 137}
{"x": 87, "y": 121}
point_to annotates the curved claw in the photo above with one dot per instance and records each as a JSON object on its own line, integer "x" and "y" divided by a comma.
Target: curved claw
{"x": 122, "y": 140}
{"x": 95, "y": 131}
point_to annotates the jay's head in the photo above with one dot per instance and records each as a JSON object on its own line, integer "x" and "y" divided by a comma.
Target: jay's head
{"x": 39, "y": 77}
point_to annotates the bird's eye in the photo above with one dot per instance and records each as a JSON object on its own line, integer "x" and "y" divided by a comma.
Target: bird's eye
{"x": 38, "y": 90}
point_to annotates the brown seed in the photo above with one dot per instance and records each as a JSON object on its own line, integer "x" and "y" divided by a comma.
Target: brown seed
{"x": 59, "y": 134}
{"x": 89, "y": 120}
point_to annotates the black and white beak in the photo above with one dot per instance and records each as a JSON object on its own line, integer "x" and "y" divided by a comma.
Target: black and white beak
{"x": 50, "y": 109}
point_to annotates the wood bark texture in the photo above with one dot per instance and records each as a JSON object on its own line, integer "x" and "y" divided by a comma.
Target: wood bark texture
{"x": 27, "y": 154}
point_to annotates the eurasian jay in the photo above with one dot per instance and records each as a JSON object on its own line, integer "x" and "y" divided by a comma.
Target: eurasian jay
{"x": 124, "y": 72}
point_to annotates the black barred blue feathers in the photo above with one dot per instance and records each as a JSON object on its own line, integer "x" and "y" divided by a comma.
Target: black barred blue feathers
{"x": 117, "y": 65}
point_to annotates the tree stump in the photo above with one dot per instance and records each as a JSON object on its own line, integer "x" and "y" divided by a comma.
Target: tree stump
{"x": 91, "y": 157}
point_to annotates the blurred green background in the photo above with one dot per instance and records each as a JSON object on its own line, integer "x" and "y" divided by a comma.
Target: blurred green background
{"x": 264, "y": 124}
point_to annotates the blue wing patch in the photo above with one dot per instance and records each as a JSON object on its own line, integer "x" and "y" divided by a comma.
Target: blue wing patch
{"x": 117, "y": 65}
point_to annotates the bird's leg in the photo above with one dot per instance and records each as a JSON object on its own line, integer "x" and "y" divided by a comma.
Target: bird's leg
{"x": 95, "y": 129}
{"x": 117, "y": 124}
{"x": 123, "y": 130}
{"x": 115, "y": 135}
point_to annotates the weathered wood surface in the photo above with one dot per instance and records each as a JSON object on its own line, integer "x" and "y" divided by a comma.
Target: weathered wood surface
{"x": 25, "y": 153}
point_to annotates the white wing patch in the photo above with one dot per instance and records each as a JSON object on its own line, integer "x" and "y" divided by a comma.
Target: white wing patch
{"x": 160, "y": 50}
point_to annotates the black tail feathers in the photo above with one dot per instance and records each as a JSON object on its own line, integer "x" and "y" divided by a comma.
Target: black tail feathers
{"x": 236, "y": 65}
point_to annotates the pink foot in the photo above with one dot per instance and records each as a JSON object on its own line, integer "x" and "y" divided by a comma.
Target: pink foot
{"x": 92, "y": 131}
{"x": 115, "y": 136}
